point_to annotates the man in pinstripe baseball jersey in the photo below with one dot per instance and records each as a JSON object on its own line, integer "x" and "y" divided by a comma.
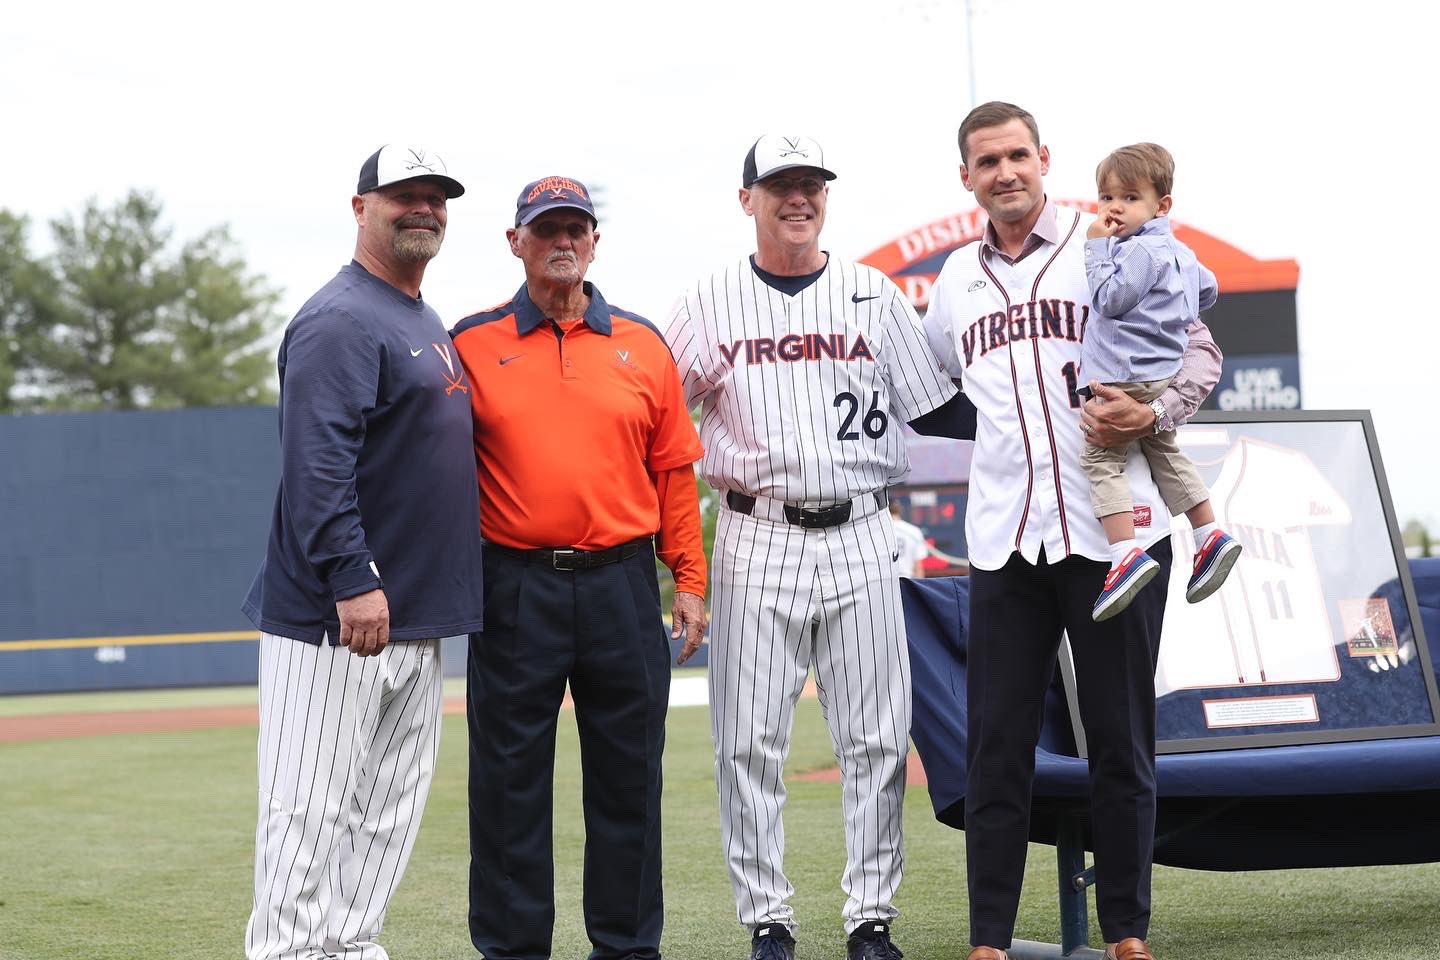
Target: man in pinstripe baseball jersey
{"x": 1007, "y": 316}
{"x": 378, "y": 481}
{"x": 807, "y": 368}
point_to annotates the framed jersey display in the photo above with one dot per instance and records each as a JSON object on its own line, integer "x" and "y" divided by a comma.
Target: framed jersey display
{"x": 1315, "y": 637}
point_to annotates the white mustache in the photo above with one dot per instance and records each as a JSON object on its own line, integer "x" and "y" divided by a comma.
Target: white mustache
{"x": 561, "y": 255}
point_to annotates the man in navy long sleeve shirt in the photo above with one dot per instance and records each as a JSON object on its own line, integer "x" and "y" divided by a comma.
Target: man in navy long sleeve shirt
{"x": 374, "y": 555}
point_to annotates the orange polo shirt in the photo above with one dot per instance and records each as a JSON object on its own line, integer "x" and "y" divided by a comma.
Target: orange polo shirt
{"x": 575, "y": 424}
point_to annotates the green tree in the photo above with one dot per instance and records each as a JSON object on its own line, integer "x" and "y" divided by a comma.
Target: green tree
{"x": 709, "y": 514}
{"x": 709, "y": 508}
{"x": 1416, "y": 537}
{"x": 114, "y": 319}
{"x": 16, "y": 282}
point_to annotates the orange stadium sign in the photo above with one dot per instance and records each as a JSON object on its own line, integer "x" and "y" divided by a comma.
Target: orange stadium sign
{"x": 914, "y": 259}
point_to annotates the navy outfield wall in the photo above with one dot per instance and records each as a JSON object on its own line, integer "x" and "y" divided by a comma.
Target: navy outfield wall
{"x": 127, "y": 543}
{"x": 129, "y": 540}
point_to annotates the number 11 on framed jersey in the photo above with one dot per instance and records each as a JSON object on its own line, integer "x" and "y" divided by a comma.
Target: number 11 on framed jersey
{"x": 1315, "y": 637}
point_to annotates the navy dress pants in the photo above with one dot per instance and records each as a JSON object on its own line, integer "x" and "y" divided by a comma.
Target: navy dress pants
{"x": 1017, "y": 614}
{"x": 600, "y": 630}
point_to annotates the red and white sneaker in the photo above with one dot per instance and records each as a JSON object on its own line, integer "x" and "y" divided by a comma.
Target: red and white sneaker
{"x": 1122, "y": 583}
{"x": 1212, "y": 565}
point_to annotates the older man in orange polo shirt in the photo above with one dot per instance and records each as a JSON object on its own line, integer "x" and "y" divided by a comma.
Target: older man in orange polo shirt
{"x": 585, "y": 453}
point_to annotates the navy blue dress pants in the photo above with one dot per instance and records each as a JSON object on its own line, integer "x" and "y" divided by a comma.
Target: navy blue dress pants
{"x": 600, "y": 630}
{"x": 1017, "y": 614}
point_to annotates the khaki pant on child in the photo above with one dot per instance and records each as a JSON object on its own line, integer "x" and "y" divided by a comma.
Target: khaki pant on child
{"x": 1179, "y": 482}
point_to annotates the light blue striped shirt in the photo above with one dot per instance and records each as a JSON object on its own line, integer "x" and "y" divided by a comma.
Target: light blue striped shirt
{"x": 1144, "y": 291}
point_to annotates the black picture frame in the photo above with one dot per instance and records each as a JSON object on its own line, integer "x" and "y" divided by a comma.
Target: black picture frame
{"x": 1324, "y": 569}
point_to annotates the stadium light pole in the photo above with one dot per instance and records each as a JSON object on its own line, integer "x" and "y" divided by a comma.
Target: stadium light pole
{"x": 970, "y": 49}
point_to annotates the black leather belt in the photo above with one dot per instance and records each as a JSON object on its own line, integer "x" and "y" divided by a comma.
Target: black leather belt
{"x": 572, "y": 558}
{"x": 811, "y": 518}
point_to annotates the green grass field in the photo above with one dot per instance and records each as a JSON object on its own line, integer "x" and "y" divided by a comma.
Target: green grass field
{"x": 140, "y": 847}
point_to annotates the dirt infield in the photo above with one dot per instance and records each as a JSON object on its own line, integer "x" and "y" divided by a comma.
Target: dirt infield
{"x": 55, "y": 726}
{"x": 914, "y": 773}
{"x": 58, "y": 726}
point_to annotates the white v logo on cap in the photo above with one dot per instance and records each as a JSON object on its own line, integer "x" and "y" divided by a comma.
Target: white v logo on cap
{"x": 772, "y": 154}
{"x": 394, "y": 163}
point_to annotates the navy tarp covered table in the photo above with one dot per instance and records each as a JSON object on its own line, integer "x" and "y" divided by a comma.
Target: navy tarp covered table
{"x": 1317, "y": 805}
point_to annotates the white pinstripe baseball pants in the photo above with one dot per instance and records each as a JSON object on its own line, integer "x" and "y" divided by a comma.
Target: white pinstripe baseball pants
{"x": 786, "y": 598}
{"x": 346, "y": 754}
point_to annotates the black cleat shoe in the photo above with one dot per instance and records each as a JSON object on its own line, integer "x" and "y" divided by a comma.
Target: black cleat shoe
{"x": 871, "y": 941}
{"x": 772, "y": 942}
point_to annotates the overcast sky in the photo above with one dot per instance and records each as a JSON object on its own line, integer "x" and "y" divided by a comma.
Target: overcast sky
{"x": 1300, "y": 130}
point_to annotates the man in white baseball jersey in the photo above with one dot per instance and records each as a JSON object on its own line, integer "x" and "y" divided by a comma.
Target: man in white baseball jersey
{"x": 377, "y": 481}
{"x": 910, "y": 546}
{"x": 1007, "y": 317}
{"x": 806, "y": 366}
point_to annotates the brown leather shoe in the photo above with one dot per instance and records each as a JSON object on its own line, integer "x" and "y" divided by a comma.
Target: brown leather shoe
{"x": 1131, "y": 948}
{"x": 986, "y": 953}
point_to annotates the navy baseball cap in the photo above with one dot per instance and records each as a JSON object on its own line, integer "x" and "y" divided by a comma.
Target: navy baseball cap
{"x": 394, "y": 163}
{"x": 553, "y": 193}
{"x": 772, "y": 154}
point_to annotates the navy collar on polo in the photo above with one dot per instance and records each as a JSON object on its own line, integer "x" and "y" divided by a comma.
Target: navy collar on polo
{"x": 528, "y": 316}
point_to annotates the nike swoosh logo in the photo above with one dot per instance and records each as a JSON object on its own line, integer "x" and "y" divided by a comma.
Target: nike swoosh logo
{"x": 895, "y": 557}
{"x": 416, "y": 353}
{"x": 856, "y": 298}
{"x": 513, "y": 356}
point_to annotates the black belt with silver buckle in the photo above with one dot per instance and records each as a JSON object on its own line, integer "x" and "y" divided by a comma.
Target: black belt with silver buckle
{"x": 810, "y": 518}
{"x": 572, "y": 558}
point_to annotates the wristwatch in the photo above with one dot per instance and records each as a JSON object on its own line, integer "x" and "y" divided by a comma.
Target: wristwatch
{"x": 1162, "y": 418}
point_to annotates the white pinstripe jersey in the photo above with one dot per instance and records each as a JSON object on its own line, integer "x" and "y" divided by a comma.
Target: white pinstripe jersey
{"x": 805, "y": 396}
{"x": 1012, "y": 333}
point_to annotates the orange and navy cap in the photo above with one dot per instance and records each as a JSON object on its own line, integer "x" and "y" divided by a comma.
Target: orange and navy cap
{"x": 771, "y": 154}
{"x": 552, "y": 193}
